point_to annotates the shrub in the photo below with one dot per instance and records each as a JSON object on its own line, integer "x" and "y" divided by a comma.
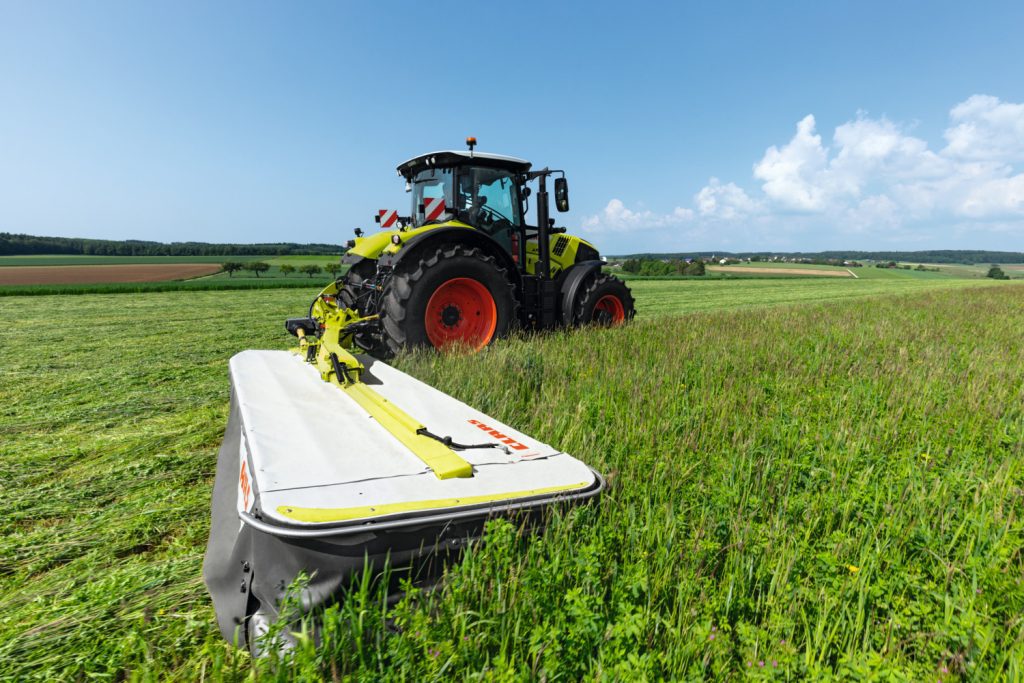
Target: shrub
{"x": 694, "y": 268}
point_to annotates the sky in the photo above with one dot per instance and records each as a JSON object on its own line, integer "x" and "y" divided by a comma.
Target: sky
{"x": 732, "y": 126}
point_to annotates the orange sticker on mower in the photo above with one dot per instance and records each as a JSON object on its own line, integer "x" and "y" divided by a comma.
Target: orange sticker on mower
{"x": 245, "y": 485}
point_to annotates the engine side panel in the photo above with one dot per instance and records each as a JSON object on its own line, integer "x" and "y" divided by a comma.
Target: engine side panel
{"x": 566, "y": 250}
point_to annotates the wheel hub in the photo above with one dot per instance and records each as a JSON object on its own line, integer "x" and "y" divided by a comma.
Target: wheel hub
{"x": 451, "y": 315}
{"x": 609, "y": 311}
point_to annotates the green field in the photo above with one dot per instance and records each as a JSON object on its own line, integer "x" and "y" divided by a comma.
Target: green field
{"x": 667, "y": 296}
{"x": 319, "y": 259}
{"x": 275, "y": 278}
{"x": 798, "y": 491}
{"x": 866, "y": 272}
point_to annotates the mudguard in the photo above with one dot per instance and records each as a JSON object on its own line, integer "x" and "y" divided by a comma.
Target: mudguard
{"x": 474, "y": 238}
{"x": 573, "y": 283}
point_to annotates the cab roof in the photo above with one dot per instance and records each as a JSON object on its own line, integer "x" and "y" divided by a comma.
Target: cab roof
{"x": 449, "y": 158}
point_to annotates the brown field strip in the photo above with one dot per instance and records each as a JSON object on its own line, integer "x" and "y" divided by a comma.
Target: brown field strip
{"x": 780, "y": 271}
{"x": 73, "y": 275}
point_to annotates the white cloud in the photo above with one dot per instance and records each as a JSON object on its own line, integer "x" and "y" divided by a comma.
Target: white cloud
{"x": 792, "y": 175}
{"x": 872, "y": 178}
{"x": 617, "y": 218}
{"x": 727, "y": 201}
{"x": 996, "y": 197}
{"x": 986, "y": 129}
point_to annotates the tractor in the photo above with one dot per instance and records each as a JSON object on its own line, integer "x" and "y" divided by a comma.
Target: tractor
{"x": 464, "y": 268}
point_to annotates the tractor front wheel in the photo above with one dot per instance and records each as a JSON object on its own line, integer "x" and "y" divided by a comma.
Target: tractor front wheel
{"x": 606, "y": 301}
{"x": 351, "y": 290}
{"x": 456, "y": 296}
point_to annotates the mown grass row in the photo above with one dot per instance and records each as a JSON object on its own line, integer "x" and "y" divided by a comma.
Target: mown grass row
{"x": 829, "y": 489}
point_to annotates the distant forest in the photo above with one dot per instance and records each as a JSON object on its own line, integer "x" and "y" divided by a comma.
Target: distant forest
{"x": 962, "y": 256}
{"x": 23, "y": 245}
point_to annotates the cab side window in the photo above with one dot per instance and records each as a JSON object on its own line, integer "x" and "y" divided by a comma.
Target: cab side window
{"x": 489, "y": 201}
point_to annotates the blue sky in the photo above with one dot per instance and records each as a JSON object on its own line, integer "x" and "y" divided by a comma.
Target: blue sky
{"x": 681, "y": 126}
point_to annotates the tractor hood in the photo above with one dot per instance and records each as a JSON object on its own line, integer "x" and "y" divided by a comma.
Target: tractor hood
{"x": 383, "y": 242}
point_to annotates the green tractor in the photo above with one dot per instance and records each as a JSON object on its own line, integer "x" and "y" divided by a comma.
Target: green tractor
{"x": 464, "y": 268}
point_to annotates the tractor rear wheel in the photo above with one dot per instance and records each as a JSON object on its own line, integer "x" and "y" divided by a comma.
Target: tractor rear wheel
{"x": 606, "y": 301}
{"x": 455, "y": 296}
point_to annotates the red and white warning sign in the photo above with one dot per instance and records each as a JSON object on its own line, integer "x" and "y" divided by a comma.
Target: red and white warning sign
{"x": 387, "y": 218}
{"x": 433, "y": 208}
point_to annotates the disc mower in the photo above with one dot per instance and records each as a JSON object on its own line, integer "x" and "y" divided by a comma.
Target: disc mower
{"x": 334, "y": 463}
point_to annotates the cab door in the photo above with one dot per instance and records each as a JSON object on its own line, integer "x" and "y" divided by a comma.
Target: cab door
{"x": 488, "y": 199}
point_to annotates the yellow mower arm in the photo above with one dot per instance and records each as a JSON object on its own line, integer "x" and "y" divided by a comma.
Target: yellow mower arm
{"x": 339, "y": 367}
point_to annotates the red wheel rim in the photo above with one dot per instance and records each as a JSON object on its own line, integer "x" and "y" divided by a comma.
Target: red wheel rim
{"x": 609, "y": 310}
{"x": 461, "y": 311}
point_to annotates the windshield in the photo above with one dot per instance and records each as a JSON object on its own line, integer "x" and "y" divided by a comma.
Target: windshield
{"x": 435, "y": 183}
{"x": 486, "y": 198}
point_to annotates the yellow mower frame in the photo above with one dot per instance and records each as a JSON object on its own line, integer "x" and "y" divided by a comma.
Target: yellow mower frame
{"x": 337, "y": 365}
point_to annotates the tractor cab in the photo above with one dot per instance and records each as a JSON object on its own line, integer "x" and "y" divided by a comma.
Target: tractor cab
{"x": 490, "y": 192}
{"x": 481, "y": 190}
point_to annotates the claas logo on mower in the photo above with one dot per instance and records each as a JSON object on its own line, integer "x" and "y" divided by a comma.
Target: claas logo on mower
{"x": 505, "y": 439}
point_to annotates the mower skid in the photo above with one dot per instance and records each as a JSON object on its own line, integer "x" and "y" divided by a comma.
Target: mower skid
{"x": 309, "y": 482}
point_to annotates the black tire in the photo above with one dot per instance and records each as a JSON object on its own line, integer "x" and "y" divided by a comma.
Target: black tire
{"x": 349, "y": 292}
{"x": 596, "y": 304}
{"x": 351, "y": 295}
{"x": 412, "y": 286}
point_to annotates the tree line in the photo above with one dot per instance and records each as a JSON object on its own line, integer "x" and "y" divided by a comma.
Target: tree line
{"x": 257, "y": 267}
{"x": 658, "y": 267}
{"x": 24, "y": 245}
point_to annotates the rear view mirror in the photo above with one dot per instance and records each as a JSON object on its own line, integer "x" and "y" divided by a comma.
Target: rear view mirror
{"x": 561, "y": 194}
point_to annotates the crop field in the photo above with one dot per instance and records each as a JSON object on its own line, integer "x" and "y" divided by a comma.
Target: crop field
{"x": 301, "y": 260}
{"x": 810, "y": 478}
{"x": 76, "y": 260}
{"x": 761, "y": 270}
{"x": 665, "y": 297}
{"x": 44, "y": 275}
{"x": 66, "y": 275}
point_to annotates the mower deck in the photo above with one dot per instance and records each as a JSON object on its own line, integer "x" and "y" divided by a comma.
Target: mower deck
{"x": 318, "y": 458}
{"x": 310, "y": 483}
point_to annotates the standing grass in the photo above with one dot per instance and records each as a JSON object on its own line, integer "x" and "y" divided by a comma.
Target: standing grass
{"x": 797, "y": 492}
